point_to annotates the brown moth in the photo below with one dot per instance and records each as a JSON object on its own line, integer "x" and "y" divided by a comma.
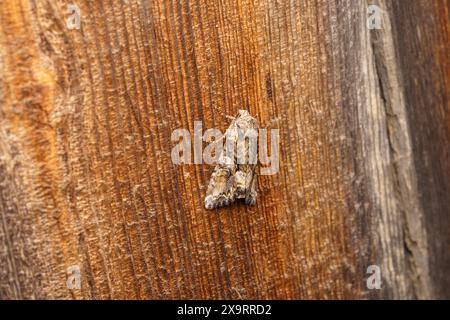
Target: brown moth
{"x": 235, "y": 175}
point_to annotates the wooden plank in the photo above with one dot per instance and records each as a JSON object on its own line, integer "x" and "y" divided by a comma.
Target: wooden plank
{"x": 86, "y": 176}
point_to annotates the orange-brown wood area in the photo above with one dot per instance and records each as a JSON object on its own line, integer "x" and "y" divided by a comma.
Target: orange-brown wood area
{"x": 87, "y": 179}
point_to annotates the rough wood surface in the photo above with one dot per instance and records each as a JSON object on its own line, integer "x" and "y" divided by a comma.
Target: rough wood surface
{"x": 86, "y": 176}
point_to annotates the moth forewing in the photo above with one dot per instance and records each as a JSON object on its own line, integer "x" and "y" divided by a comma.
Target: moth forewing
{"x": 234, "y": 176}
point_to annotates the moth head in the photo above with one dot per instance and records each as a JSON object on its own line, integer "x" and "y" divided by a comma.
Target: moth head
{"x": 245, "y": 120}
{"x": 243, "y": 113}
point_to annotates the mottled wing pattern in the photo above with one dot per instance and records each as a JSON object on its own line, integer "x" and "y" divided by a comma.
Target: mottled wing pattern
{"x": 233, "y": 177}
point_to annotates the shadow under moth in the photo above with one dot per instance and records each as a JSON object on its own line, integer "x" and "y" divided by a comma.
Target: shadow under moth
{"x": 235, "y": 176}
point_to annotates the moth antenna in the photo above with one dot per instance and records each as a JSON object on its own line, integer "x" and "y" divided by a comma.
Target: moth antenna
{"x": 222, "y": 114}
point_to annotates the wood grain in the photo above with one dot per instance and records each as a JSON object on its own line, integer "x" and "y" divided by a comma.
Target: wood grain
{"x": 86, "y": 177}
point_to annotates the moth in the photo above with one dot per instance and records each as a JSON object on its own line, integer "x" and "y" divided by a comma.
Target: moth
{"x": 235, "y": 176}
